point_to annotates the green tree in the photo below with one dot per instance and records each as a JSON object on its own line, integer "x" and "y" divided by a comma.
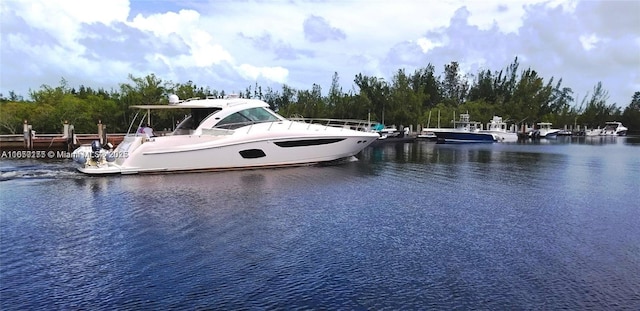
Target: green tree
{"x": 284, "y": 102}
{"x": 12, "y": 116}
{"x": 483, "y": 87}
{"x": 454, "y": 86}
{"x": 631, "y": 115}
{"x": 425, "y": 80}
{"x": 310, "y": 103}
{"x": 406, "y": 102}
{"x": 597, "y": 112}
{"x": 376, "y": 92}
{"x": 148, "y": 90}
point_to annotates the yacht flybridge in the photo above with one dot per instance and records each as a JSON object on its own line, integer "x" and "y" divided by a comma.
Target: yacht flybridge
{"x": 221, "y": 134}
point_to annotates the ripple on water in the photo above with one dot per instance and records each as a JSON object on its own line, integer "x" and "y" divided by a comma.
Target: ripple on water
{"x": 34, "y": 169}
{"x": 420, "y": 226}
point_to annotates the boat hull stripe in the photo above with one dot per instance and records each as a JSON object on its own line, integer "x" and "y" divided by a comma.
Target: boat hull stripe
{"x": 307, "y": 142}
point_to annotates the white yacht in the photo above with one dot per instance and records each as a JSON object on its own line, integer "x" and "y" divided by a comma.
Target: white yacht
{"x": 222, "y": 134}
{"x": 544, "y": 130}
{"x": 500, "y": 130}
{"x": 614, "y": 129}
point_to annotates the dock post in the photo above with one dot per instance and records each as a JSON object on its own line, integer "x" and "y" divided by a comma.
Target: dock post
{"x": 101, "y": 134}
{"x": 28, "y": 139}
{"x": 65, "y": 129}
{"x": 72, "y": 142}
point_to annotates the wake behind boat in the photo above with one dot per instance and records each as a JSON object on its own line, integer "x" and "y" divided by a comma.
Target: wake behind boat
{"x": 220, "y": 134}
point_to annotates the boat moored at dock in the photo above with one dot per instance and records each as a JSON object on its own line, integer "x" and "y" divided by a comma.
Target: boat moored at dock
{"x": 614, "y": 128}
{"x": 464, "y": 131}
{"x": 499, "y": 129}
{"x": 544, "y": 130}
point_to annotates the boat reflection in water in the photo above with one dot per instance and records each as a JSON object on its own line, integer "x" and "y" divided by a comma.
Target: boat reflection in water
{"x": 406, "y": 227}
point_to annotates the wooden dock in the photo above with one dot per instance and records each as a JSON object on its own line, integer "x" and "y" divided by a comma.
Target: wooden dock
{"x": 54, "y": 142}
{"x": 68, "y": 141}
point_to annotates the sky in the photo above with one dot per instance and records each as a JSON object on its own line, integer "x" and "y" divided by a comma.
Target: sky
{"x": 231, "y": 45}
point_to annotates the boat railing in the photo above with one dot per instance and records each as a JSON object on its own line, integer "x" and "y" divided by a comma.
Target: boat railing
{"x": 230, "y": 128}
{"x": 351, "y": 124}
{"x": 140, "y": 122}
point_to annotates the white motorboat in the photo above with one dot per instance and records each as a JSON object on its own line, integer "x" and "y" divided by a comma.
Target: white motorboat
{"x": 464, "y": 131}
{"x": 385, "y": 131}
{"x": 222, "y": 134}
{"x": 593, "y": 132}
{"x": 614, "y": 129}
{"x": 428, "y": 134}
{"x": 500, "y": 130}
{"x": 544, "y": 130}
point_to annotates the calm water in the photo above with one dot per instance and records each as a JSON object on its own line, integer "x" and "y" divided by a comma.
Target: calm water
{"x": 411, "y": 226}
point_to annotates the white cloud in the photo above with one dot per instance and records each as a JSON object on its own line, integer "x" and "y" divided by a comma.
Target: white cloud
{"x": 427, "y": 45}
{"x": 203, "y": 51}
{"x": 229, "y": 44}
{"x": 167, "y": 23}
{"x": 276, "y": 74}
{"x": 62, "y": 19}
{"x": 589, "y": 41}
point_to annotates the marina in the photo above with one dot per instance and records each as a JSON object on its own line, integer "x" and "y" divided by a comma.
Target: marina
{"x": 463, "y": 131}
{"x": 527, "y": 225}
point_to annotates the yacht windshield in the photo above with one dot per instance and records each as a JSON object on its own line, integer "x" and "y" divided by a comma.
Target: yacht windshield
{"x": 260, "y": 115}
{"x": 246, "y": 117}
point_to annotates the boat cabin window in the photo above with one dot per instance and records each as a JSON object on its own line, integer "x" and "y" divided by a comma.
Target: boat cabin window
{"x": 233, "y": 121}
{"x": 246, "y": 117}
{"x": 202, "y": 113}
{"x": 191, "y": 122}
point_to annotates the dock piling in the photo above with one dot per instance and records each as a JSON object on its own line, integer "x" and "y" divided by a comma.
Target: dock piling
{"x": 28, "y": 138}
{"x": 102, "y": 135}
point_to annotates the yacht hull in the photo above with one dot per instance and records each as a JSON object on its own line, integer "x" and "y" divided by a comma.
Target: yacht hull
{"x": 464, "y": 137}
{"x": 505, "y": 137}
{"x": 214, "y": 153}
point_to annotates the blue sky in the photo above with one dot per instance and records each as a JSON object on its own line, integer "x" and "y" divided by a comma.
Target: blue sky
{"x": 230, "y": 45}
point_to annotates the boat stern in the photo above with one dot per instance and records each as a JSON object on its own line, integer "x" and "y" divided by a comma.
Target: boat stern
{"x": 96, "y": 159}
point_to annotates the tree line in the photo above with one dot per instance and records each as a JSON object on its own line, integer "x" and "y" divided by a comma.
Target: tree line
{"x": 518, "y": 95}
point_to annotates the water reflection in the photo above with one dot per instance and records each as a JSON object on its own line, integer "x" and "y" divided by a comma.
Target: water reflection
{"x": 632, "y": 140}
{"x": 500, "y": 226}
